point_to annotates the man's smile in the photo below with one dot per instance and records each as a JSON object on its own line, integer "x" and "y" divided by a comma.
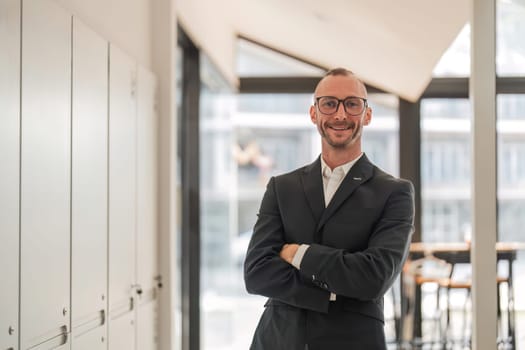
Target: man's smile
{"x": 341, "y": 127}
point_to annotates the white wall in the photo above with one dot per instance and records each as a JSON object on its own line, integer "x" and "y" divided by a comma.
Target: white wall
{"x": 164, "y": 48}
{"x": 125, "y": 23}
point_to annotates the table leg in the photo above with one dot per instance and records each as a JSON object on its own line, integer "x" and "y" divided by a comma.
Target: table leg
{"x": 418, "y": 317}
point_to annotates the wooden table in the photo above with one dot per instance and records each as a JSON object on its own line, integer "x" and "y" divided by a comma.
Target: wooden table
{"x": 454, "y": 253}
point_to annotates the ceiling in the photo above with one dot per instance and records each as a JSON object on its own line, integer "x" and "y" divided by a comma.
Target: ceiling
{"x": 391, "y": 45}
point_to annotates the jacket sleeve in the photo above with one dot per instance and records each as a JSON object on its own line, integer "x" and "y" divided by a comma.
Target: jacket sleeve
{"x": 367, "y": 274}
{"x": 266, "y": 273}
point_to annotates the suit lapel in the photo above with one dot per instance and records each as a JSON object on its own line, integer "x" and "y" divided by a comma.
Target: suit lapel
{"x": 358, "y": 174}
{"x": 313, "y": 188}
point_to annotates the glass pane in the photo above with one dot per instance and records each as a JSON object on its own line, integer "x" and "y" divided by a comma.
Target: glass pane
{"x": 441, "y": 271}
{"x": 219, "y": 283}
{"x": 511, "y": 206}
{"x": 509, "y": 40}
{"x": 511, "y": 167}
{"x": 381, "y": 137}
{"x": 445, "y": 170}
{"x": 455, "y": 62}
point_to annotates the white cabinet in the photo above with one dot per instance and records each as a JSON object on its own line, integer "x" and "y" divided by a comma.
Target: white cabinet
{"x": 78, "y": 195}
{"x": 147, "y": 325}
{"x": 45, "y": 175}
{"x": 121, "y": 333}
{"x": 9, "y": 170}
{"x": 89, "y": 188}
{"x": 122, "y": 195}
{"x": 147, "y": 231}
{"x": 94, "y": 339}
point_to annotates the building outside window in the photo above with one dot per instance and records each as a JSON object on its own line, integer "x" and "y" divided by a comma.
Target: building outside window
{"x": 445, "y": 169}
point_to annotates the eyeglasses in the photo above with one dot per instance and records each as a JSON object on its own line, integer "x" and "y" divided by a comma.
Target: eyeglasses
{"x": 353, "y": 105}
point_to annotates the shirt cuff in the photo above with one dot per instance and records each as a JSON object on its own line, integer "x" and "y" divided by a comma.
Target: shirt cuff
{"x": 298, "y": 257}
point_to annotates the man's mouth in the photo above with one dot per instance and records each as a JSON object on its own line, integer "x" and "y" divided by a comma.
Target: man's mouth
{"x": 341, "y": 127}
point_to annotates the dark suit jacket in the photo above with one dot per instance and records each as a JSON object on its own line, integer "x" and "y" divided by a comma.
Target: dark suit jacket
{"x": 357, "y": 247}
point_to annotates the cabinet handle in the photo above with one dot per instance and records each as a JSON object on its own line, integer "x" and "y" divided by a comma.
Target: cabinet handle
{"x": 158, "y": 278}
{"x": 64, "y": 334}
{"x": 138, "y": 288}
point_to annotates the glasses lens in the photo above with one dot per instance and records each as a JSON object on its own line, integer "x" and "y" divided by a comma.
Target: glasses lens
{"x": 328, "y": 105}
{"x": 354, "y": 105}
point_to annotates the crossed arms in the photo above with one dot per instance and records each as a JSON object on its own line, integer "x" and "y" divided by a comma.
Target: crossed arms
{"x": 362, "y": 275}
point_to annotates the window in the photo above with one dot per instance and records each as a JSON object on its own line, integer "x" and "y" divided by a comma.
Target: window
{"x": 445, "y": 169}
{"x": 511, "y": 167}
{"x": 455, "y": 62}
{"x": 509, "y": 40}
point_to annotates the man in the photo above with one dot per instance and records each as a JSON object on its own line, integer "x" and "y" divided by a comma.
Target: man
{"x": 331, "y": 237}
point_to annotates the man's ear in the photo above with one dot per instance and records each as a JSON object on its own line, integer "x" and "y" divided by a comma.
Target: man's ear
{"x": 368, "y": 116}
{"x": 313, "y": 114}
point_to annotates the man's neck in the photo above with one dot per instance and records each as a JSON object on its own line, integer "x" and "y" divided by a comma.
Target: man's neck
{"x": 334, "y": 158}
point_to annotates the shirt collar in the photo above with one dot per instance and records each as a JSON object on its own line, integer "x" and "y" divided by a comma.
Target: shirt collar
{"x": 326, "y": 171}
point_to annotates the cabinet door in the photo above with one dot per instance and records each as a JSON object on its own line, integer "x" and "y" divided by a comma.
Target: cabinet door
{"x": 94, "y": 339}
{"x": 122, "y": 193}
{"x": 45, "y": 174}
{"x": 121, "y": 331}
{"x": 147, "y": 325}
{"x": 9, "y": 170}
{"x": 147, "y": 232}
{"x": 89, "y": 185}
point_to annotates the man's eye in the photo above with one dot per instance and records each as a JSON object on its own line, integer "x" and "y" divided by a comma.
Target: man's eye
{"x": 352, "y": 103}
{"x": 329, "y": 104}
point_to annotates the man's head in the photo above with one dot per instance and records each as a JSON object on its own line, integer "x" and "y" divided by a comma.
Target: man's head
{"x": 342, "y": 72}
{"x": 340, "y": 110}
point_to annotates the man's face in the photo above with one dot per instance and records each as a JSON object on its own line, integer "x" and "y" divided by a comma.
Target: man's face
{"x": 340, "y": 129}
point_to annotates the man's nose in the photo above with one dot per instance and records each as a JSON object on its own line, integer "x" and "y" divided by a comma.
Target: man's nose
{"x": 340, "y": 113}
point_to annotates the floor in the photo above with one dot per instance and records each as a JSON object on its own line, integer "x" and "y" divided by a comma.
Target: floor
{"x": 459, "y": 330}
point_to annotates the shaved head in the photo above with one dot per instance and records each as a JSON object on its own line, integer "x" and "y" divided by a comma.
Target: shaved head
{"x": 343, "y": 72}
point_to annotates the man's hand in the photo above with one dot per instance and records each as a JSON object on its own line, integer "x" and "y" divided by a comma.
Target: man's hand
{"x": 288, "y": 252}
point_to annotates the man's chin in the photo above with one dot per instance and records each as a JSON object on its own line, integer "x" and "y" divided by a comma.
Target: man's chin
{"x": 339, "y": 144}
{"x": 335, "y": 135}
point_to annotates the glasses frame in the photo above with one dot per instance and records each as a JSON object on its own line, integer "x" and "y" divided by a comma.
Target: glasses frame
{"x": 339, "y": 101}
